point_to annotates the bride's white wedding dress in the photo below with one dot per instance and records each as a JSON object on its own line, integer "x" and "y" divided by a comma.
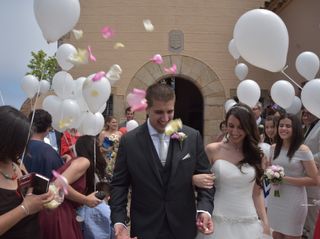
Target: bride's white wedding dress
{"x": 234, "y": 214}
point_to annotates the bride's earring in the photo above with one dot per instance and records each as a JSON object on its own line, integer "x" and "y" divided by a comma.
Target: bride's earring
{"x": 226, "y": 138}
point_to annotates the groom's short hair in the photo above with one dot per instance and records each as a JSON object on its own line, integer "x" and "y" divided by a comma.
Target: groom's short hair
{"x": 159, "y": 92}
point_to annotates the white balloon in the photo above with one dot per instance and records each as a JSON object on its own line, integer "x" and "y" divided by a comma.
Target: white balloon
{"x": 310, "y": 97}
{"x": 78, "y": 122}
{"x": 56, "y": 18}
{"x": 96, "y": 93}
{"x": 295, "y": 107}
{"x": 241, "y": 71}
{"x": 52, "y": 104}
{"x": 282, "y": 93}
{"x": 228, "y": 104}
{"x": 63, "y": 54}
{"x": 78, "y": 86}
{"x": 103, "y": 107}
{"x": 92, "y": 124}
{"x": 262, "y": 39}
{"x": 30, "y": 85}
{"x": 248, "y": 92}
{"x": 55, "y": 125}
{"x": 69, "y": 112}
{"x": 78, "y": 94}
{"x": 131, "y": 124}
{"x": 44, "y": 86}
{"x": 112, "y": 77}
{"x": 63, "y": 85}
{"x": 233, "y": 50}
{"x": 307, "y": 64}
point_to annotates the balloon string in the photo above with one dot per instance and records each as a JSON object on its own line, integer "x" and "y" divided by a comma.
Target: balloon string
{"x": 291, "y": 79}
{"x": 1, "y": 98}
{"x": 94, "y": 162}
{"x": 31, "y": 122}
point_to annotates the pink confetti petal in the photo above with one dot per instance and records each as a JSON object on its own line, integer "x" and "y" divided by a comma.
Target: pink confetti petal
{"x": 107, "y": 32}
{"x": 171, "y": 70}
{"x": 91, "y": 56}
{"x": 139, "y": 92}
{"x": 136, "y": 100}
{"x": 157, "y": 59}
{"x": 61, "y": 180}
{"x": 98, "y": 76}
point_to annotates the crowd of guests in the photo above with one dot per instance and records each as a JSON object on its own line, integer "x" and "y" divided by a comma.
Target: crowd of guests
{"x": 249, "y": 142}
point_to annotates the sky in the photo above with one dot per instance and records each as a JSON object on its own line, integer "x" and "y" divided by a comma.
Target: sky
{"x": 19, "y": 35}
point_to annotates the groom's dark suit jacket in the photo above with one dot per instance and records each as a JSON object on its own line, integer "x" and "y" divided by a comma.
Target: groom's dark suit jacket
{"x": 159, "y": 195}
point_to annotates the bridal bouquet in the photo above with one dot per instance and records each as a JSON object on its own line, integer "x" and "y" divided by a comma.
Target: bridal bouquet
{"x": 274, "y": 174}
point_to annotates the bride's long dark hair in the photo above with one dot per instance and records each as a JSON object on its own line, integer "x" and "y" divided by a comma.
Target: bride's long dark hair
{"x": 252, "y": 153}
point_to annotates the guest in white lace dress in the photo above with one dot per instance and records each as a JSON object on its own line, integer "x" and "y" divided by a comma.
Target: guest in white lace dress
{"x": 288, "y": 212}
{"x": 237, "y": 166}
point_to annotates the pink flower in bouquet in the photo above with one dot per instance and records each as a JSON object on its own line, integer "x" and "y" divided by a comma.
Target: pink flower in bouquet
{"x": 274, "y": 174}
{"x": 173, "y": 129}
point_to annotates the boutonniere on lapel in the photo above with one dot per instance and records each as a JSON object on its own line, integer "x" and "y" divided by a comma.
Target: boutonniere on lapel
{"x": 173, "y": 130}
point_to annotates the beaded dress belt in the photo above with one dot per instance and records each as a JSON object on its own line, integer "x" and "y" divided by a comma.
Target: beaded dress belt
{"x": 224, "y": 219}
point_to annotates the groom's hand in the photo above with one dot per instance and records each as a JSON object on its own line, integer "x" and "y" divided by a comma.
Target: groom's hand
{"x": 204, "y": 223}
{"x": 121, "y": 232}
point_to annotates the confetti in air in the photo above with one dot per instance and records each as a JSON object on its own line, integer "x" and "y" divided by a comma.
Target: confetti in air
{"x": 78, "y": 34}
{"x": 157, "y": 59}
{"x": 91, "y": 56}
{"x": 107, "y": 32}
{"x": 171, "y": 70}
{"x": 118, "y": 45}
{"x": 148, "y": 25}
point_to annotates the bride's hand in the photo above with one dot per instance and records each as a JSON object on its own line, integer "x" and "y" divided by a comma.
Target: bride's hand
{"x": 203, "y": 180}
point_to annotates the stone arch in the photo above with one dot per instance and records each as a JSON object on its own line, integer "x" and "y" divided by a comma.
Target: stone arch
{"x": 200, "y": 74}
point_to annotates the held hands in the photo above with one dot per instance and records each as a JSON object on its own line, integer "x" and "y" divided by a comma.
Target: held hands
{"x": 203, "y": 180}
{"x": 121, "y": 232}
{"x": 204, "y": 223}
{"x": 91, "y": 200}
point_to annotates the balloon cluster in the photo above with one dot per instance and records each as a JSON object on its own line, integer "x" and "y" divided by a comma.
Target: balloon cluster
{"x": 77, "y": 103}
{"x": 267, "y": 48}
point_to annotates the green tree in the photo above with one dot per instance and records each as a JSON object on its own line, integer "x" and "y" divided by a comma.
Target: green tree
{"x": 42, "y": 66}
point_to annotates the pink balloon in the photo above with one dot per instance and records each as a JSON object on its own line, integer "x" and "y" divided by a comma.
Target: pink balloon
{"x": 137, "y": 100}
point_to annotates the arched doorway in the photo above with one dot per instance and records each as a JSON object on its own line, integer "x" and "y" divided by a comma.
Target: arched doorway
{"x": 189, "y": 102}
{"x": 202, "y": 93}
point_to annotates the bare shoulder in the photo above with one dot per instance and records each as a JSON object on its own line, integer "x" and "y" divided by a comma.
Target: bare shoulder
{"x": 213, "y": 149}
{"x": 304, "y": 148}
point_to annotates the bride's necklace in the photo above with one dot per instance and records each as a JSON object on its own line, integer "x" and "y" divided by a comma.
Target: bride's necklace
{"x": 14, "y": 175}
{"x": 235, "y": 146}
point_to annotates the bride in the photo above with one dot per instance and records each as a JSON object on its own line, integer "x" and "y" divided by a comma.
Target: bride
{"x": 239, "y": 210}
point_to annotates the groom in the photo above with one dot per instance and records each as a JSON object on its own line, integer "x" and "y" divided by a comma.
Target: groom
{"x": 159, "y": 173}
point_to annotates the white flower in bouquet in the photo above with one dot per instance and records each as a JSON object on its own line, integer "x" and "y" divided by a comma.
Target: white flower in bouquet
{"x": 274, "y": 174}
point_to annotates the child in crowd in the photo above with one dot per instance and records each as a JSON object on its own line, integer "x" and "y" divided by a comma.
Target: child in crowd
{"x": 96, "y": 223}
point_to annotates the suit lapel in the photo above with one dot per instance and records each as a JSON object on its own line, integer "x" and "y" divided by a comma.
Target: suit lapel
{"x": 150, "y": 152}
